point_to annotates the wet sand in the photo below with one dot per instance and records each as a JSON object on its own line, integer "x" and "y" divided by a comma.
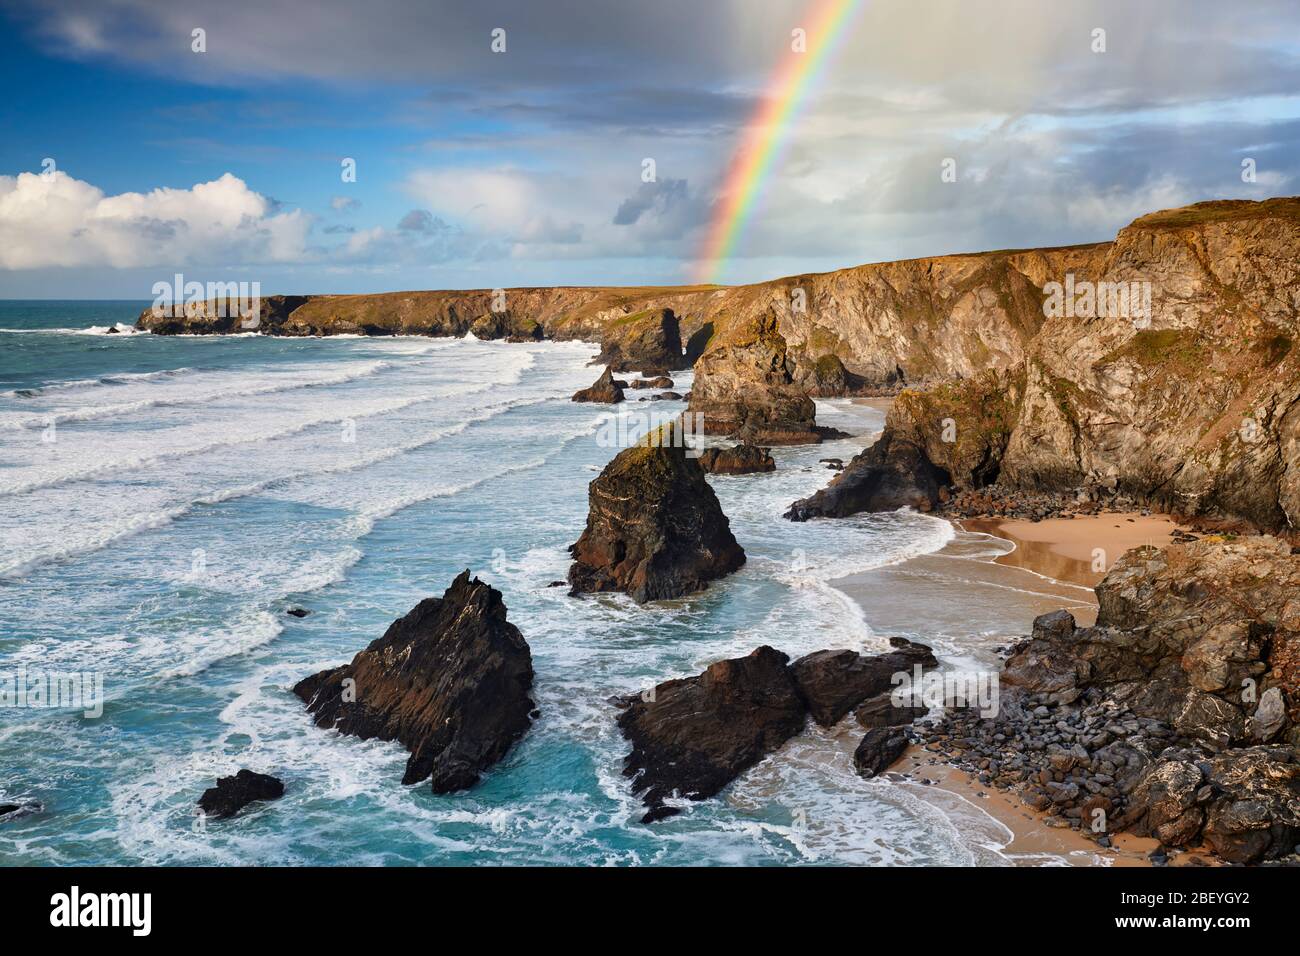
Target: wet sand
{"x": 980, "y": 593}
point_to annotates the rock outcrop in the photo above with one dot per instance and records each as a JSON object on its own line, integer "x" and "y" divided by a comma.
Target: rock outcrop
{"x": 232, "y": 794}
{"x": 650, "y": 340}
{"x": 1174, "y": 716}
{"x": 695, "y": 735}
{"x": 659, "y": 381}
{"x": 605, "y": 389}
{"x": 449, "y": 681}
{"x": 744, "y": 387}
{"x": 834, "y": 682}
{"x": 1163, "y": 372}
{"x": 655, "y": 529}
{"x": 736, "y": 460}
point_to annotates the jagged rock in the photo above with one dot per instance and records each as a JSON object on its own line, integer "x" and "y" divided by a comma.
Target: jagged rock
{"x": 878, "y": 750}
{"x": 12, "y": 811}
{"x": 659, "y": 381}
{"x": 743, "y": 386}
{"x": 221, "y": 316}
{"x": 834, "y": 682}
{"x": 695, "y": 735}
{"x": 604, "y": 389}
{"x": 655, "y": 529}
{"x": 650, "y": 339}
{"x": 297, "y": 612}
{"x": 449, "y": 681}
{"x": 232, "y": 794}
{"x": 736, "y": 460}
{"x": 891, "y": 474}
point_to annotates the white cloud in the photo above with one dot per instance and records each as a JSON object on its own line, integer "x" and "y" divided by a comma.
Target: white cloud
{"x": 56, "y": 220}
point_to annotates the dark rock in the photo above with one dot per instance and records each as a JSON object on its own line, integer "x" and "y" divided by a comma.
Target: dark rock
{"x": 834, "y": 682}
{"x": 695, "y": 735}
{"x": 647, "y": 340}
{"x": 655, "y": 529}
{"x": 12, "y": 811}
{"x": 893, "y": 473}
{"x": 878, "y": 750}
{"x": 232, "y": 794}
{"x": 660, "y": 381}
{"x": 881, "y": 711}
{"x": 449, "y": 681}
{"x": 736, "y": 460}
{"x": 604, "y": 389}
{"x": 297, "y": 612}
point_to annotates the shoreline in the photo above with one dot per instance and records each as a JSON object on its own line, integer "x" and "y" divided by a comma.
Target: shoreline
{"x": 1049, "y": 565}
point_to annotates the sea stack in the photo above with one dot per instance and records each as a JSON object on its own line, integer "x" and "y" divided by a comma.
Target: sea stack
{"x": 744, "y": 386}
{"x": 655, "y": 529}
{"x": 449, "y": 681}
{"x": 605, "y": 389}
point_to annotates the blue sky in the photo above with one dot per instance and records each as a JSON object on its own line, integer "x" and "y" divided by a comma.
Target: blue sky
{"x": 477, "y": 169}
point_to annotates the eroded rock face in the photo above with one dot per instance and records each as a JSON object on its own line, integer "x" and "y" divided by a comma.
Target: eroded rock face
{"x": 699, "y": 733}
{"x": 744, "y": 386}
{"x": 834, "y": 682}
{"x": 893, "y": 473}
{"x": 647, "y": 340}
{"x": 232, "y": 794}
{"x": 1149, "y": 406}
{"x": 1162, "y": 705}
{"x": 655, "y": 529}
{"x": 221, "y": 317}
{"x": 605, "y": 389}
{"x": 449, "y": 681}
{"x": 736, "y": 460}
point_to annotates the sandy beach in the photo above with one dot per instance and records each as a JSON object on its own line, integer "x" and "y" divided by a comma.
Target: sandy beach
{"x": 994, "y": 572}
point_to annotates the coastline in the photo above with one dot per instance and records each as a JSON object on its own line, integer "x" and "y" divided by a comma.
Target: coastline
{"x": 1046, "y": 566}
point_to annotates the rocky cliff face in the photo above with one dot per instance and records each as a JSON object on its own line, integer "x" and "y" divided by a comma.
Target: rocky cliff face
{"x": 1181, "y": 394}
{"x": 744, "y": 386}
{"x": 449, "y": 681}
{"x": 1174, "y": 716}
{"x": 1189, "y": 405}
{"x": 655, "y": 529}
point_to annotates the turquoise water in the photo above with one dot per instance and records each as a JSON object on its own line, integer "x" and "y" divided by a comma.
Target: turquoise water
{"x": 165, "y": 500}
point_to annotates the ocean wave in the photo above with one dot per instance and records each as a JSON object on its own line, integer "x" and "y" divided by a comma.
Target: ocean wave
{"x": 138, "y": 524}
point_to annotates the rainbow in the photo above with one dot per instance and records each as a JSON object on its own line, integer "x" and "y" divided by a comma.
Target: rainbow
{"x": 768, "y": 131}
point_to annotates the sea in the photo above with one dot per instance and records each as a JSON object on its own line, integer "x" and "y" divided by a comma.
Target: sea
{"x": 165, "y": 501}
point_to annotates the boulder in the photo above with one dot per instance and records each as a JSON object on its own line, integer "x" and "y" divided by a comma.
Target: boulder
{"x": 604, "y": 389}
{"x": 736, "y": 460}
{"x": 881, "y": 711}
{"x": 655, "y": 529}
{"x": 659, "y": 381}
{"x": 449, "y": 681}
{"x": 232, "y": 794}
{"x": 878, "y": 750}
{"x": 834, "y": 682}
{"x": 693, "y": 736}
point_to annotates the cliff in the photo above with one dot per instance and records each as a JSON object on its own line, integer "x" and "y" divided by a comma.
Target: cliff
{"x": 1156, "y": 366}
{"x": 1187, "y": 404}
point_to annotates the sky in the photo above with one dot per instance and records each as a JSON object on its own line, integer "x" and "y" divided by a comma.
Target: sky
{"x": 127, "y": 155}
